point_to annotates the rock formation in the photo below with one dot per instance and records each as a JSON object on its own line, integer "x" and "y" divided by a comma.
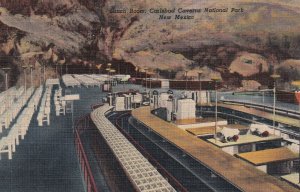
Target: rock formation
{"x": 251, "y": 44}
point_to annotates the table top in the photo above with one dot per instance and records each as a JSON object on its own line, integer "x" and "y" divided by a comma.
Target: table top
{"x": 267, "y": 156}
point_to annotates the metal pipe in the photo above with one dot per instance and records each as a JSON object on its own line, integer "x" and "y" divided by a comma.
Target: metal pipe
{"x": 216, "y": 112}
{"x": 200, "y": 89}
{"x": 136, "y": 72}
{"x": 56, "y": 71}
{"x": 146, "y": 79}
{"x": 25, "y": 78}
{"x": 150, "y": 83}
{"x": 216, "y": 80}
{"x": 274, "y": 76}
{"x": 186, "y": 80}
{"x": 6, "y": 81}
{"x": 43, "y": 73}
{"x": 274, "y": 104}
{"x": 60, "y": 70}
{"x": 6, "y": 86}
{"x": 31, "y": 80}
{"x": 40, "y": 76}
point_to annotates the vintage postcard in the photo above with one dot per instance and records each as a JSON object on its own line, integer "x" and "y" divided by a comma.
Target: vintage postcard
{"x": 149, "y": 95}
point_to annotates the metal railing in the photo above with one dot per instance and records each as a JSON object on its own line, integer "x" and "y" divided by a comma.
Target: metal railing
{"x": 279, "y": 110}
{"x": 81, "y": 125}
{"x": 239, "y": 118}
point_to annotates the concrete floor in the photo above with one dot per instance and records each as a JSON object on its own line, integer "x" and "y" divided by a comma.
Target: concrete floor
{"x": 44, "y": 161}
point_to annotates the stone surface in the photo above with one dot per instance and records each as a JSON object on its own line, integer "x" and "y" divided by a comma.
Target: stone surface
{"x": 265, "y": 33}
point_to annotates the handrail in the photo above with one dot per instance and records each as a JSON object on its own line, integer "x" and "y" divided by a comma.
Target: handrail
{"x": 83, "y": 160}
{"x": 278, "y": 109}
{"x": 290, "y": 132}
